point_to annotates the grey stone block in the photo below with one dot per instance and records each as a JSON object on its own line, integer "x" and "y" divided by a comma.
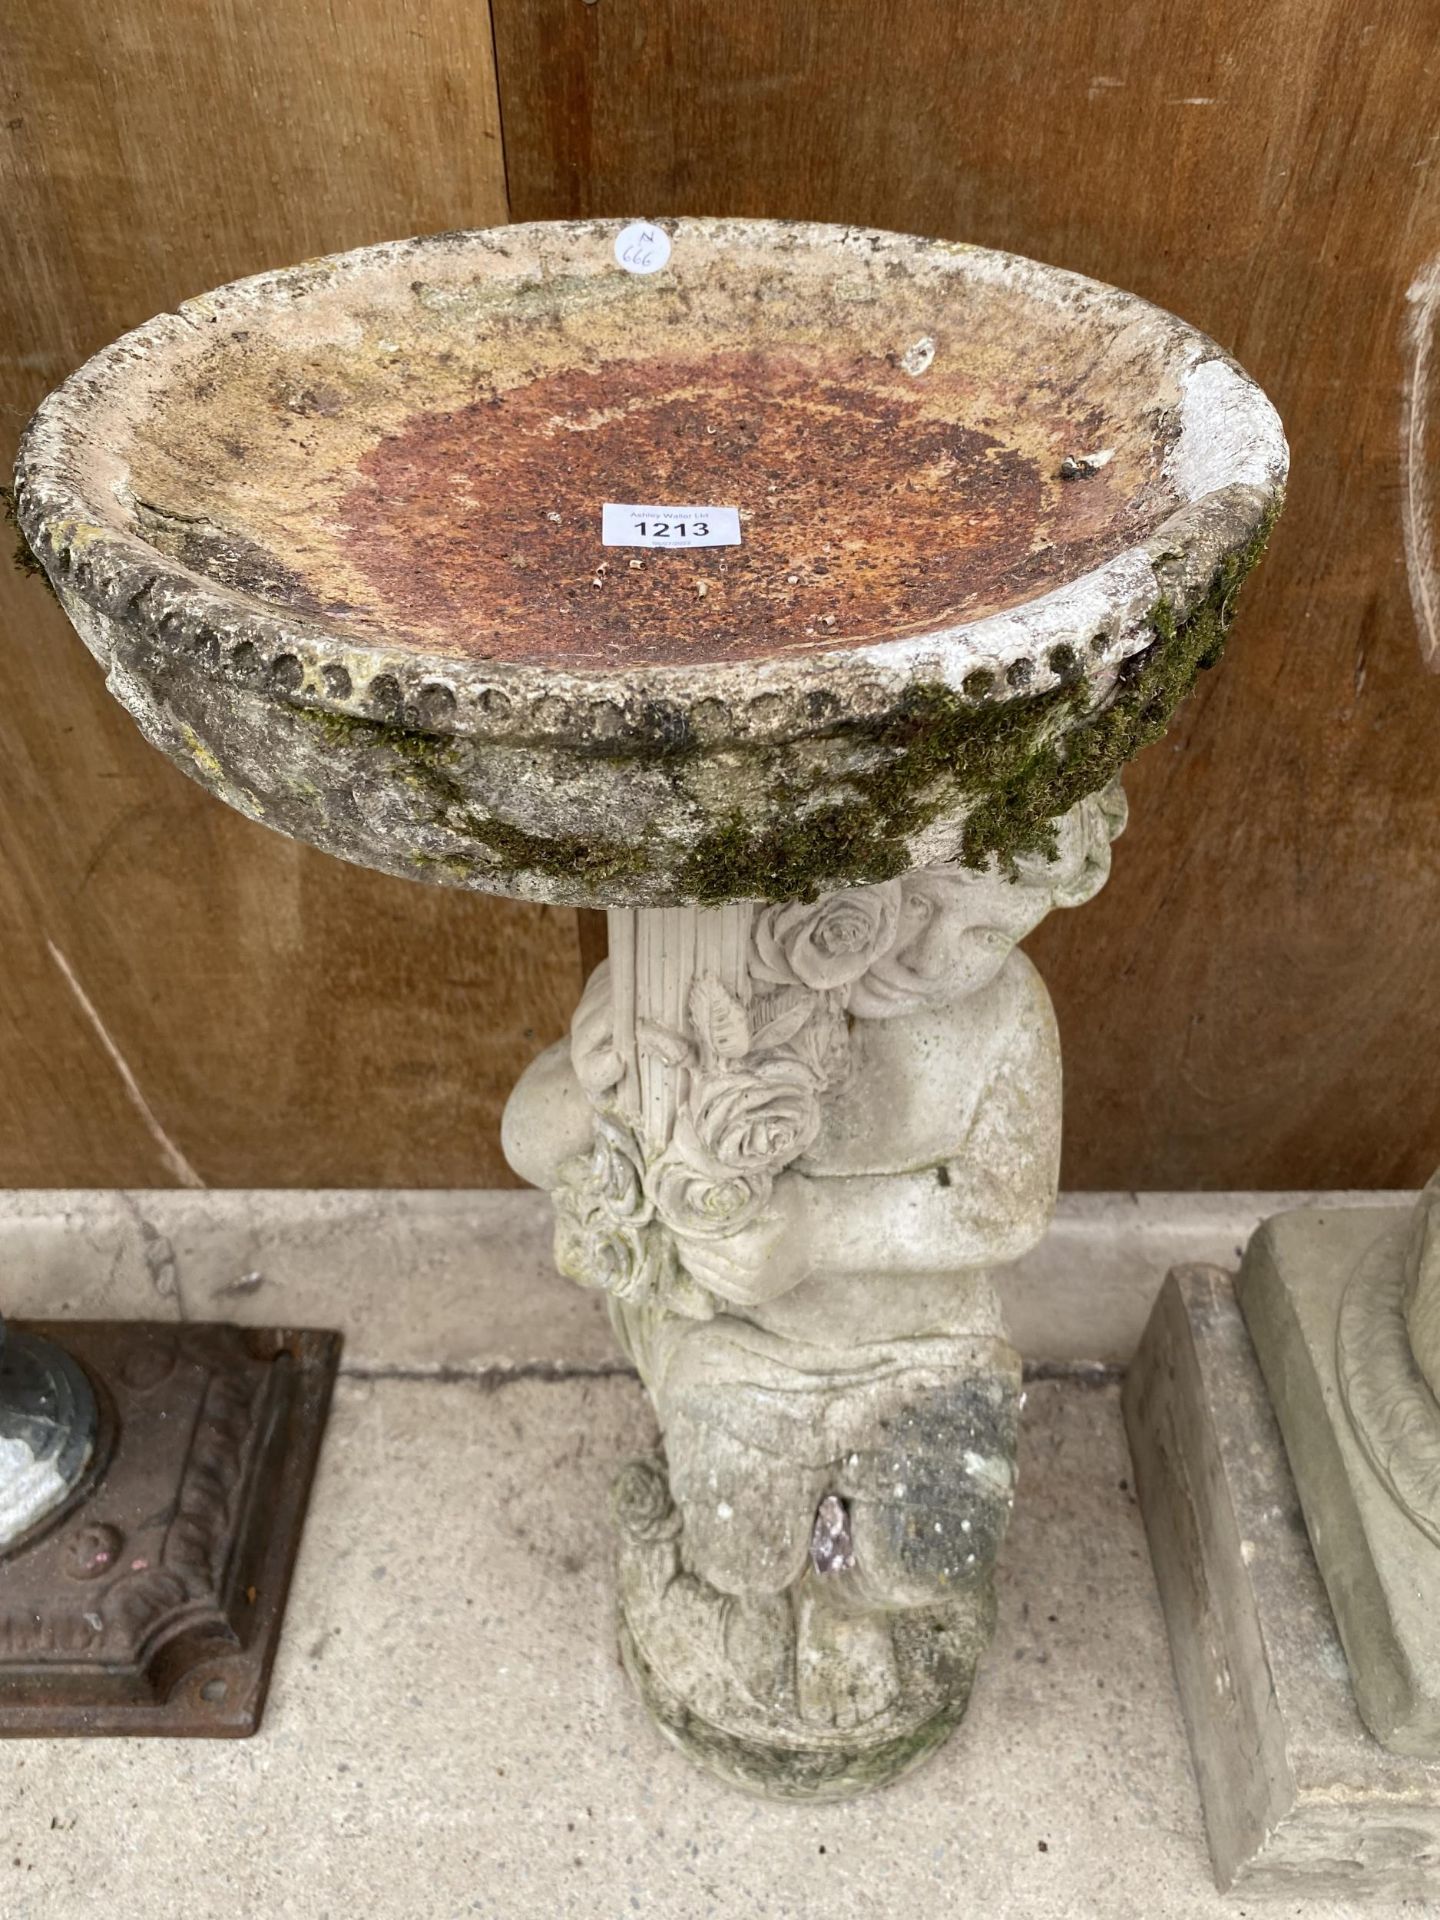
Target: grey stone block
{"x": 1298, "y": 1797}
{"x": 1380, "y": 1570}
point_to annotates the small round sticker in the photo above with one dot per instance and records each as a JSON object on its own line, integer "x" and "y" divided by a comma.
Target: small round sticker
{"x": 641, "y": 248}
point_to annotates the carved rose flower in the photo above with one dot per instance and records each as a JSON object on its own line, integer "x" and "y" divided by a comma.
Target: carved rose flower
{"x": 699, "y": 1199}
{"x": 633, "y": 1263}
{"x": 758, "y": 1261}
{"x": 605, "y": 1233}
{"x": 750, "y": 1119}
{"x": 641, "y": 1502}
{"x": 615, "y": 1172}
{"x": 826, "y": 943}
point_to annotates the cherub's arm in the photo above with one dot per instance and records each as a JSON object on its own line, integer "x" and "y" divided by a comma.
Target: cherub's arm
{"x": 980, "y": 1202}
{"x": 547, "y": 1118}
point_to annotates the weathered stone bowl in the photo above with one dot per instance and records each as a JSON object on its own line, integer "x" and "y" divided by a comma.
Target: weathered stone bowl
{"x": 334, "y": 533}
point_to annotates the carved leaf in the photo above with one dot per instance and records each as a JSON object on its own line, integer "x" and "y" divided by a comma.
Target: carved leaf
{"x": 784, "y": 1023}
{"x": 673, "y": 1048}
{"x": 719, "y": 1019}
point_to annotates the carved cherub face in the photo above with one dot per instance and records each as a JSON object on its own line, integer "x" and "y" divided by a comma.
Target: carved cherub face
{"x": 956, "y": 926}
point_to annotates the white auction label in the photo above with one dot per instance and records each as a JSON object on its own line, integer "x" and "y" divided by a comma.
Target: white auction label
{"x": 622, "y": 526}
{"x": 641, "y": 248}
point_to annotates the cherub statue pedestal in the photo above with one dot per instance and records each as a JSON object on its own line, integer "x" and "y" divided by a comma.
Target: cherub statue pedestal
{"x": 791, "y": 1142}
{"x": 337, "y": 536}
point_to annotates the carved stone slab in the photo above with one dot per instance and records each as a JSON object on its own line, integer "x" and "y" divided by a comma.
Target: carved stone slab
{"x": 1321, "y": 1297}
{"x": 1298, "y": 1798}
{"x": 152, "y": 1603}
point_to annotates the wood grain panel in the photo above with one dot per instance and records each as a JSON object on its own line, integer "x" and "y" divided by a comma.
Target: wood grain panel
{"x": 1255, "y": 999}
{"x": 188, "y": 996}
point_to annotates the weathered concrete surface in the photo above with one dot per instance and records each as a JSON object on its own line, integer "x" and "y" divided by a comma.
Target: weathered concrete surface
{"x": 1303, "y": 1280}
{"x": 442, "y": 1778}
{"x": 464, "y": 1281}
{"x": 450, "y": 1734}
{"x": 1299, "y": 1798}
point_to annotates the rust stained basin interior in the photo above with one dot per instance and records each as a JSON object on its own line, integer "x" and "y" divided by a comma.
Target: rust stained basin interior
{"x": 413, "y": 445}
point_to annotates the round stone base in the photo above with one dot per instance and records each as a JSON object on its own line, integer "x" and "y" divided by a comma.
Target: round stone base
{"x": 785, "y": 1768}
{"x": 808, "y": 1693}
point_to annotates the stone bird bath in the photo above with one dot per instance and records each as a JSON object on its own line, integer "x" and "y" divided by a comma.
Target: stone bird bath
{"x": 335, "y": 535}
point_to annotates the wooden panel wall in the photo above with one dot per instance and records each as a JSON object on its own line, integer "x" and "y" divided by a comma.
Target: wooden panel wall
{"x": 1255, "y": 999}
{"x": 184, "y": 995}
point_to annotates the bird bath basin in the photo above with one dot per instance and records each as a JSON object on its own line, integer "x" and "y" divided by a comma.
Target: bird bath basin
{"x": 369, "y": 489}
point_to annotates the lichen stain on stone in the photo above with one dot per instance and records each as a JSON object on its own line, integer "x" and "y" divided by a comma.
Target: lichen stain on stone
{"x": 204, "y": 759}
{"x": 429, "y": 765}
{"x": 225, "y": 556}
{"x": 543, "y": 297}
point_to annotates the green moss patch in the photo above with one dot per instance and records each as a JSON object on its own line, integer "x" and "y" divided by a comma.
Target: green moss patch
{"x": 561, "y": 855}
{"x": 1013, "y": 767}
{"x": 1006, "y": 768}
{"x": 22, "y": 554}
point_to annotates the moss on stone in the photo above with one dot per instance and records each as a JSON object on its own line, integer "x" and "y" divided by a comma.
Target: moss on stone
{"x": 791, "y": 858}
{"x": 350, "y": 730}
{"x": 937, "y": 747}
{"x": 429, "y": 760}
{"x": 339, "y": 729}
{"x": 426, "y": 758}
{"x": 1007, "y": 768}
{"x": 1015, "y": 814}
{"x": 456, "y": 866}
{"x": 563, "y": 855}
{"x": 1012, "y": 767}
{"x": 23, "y": 555}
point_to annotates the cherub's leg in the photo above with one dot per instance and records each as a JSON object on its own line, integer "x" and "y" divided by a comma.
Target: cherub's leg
{"x": 839, "y": 1512}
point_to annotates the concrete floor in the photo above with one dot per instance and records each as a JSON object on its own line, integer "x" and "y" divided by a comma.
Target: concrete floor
{"x": 450, "y": 1734}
